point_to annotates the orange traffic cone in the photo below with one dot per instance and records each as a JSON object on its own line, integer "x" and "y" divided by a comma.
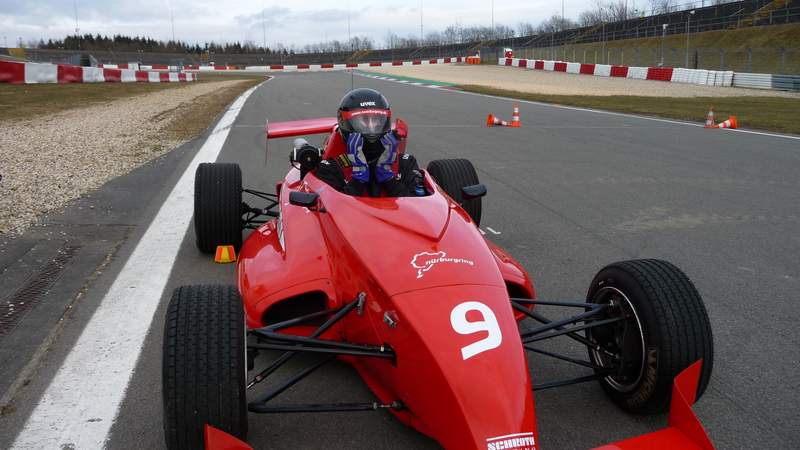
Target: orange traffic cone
{"x": 225, "y": 254}
{"x": 515, "y": 118}
{"x": 730, "y": 123}
{"x": 710, "y": 120}
{"x": 492, "y": 121}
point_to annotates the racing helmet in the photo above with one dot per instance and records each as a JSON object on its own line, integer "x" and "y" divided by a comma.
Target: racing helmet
{"x": 364, "y": 111}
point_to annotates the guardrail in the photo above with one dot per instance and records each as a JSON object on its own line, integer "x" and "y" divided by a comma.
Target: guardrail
{"x": 767, "y": 81}
{"x": 669, "y": 74}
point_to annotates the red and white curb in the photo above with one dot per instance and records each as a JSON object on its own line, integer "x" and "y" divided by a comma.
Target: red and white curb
{"x": 673, "y": 75}
{"x": 290, "y": 67}
{"x": 36, "y": 73}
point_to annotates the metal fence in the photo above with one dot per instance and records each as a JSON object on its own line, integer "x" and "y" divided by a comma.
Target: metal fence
{"x": 716, "y": 17}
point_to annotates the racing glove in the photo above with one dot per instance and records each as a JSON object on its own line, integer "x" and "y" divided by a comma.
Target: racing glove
{"x": 355, "y": 152}
{"x": 384, "y": 170}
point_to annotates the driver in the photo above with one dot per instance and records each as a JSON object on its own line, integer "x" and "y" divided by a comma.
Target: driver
{"x": 364, "y": 119}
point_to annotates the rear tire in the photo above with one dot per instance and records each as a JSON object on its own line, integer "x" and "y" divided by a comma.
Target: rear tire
{"x": 453, "y": 174}
{"x": 204, "y": 365}
{"x": 668, "y": 330}
{"x": 218, "y": 206}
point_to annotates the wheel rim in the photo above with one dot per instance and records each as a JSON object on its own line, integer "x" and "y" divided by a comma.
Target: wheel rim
{"x": 622, "y": 344}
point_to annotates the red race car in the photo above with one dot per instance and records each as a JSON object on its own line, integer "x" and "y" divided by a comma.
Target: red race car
{"x": 423, "y": 306}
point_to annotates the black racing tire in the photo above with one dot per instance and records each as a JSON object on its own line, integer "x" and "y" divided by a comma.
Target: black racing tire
{"x": 218, "y": 206}
{"x": 453, "y": 174}
{"x": 204, "y": 365}
{"x": 667, "y": 330}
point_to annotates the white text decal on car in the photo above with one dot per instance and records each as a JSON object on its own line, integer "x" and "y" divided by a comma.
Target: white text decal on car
{"x": 458, "y": 319}
{"x": 517, "y": 441}
{"x": 424, "y": 261}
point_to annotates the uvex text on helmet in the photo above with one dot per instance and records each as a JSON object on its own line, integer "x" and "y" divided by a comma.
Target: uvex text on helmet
{"x": 365, "y": 111}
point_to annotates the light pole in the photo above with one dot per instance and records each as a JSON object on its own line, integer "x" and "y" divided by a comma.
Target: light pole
{"x": 604, "y": 43}
{"x": 421, "y": 35}
{"x": 77, "y": 30}
{"x": 263, "y": 28}
{"x": 492, "y": 19}
{"x": 688, "y": 30}
{"x": 663, "y": 36}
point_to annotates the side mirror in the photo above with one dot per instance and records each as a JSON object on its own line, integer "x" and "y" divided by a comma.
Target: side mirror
{"x": 306, "y": 199}
{"x": 474, "y": 191}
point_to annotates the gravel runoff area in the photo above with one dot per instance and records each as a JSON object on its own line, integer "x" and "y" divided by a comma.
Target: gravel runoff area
{"x": 558, "y": 83}
{"x": 49, "y": 160}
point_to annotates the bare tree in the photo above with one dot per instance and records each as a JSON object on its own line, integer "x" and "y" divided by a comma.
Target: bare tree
{"x": 663, "y": 6}
{"x": 555, "y": 23}
{"x": 617, "y": 10}
{"x": 525, "y": 29}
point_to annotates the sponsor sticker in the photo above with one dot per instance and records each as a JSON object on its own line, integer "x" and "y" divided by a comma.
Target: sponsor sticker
{"x": 517, "y": 441}
{"x": 425, "y": 261}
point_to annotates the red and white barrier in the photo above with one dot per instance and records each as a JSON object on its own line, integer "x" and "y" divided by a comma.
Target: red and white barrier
{"x": 690, "y": 76}
{"x": 38, "y": 73}
{"x": 318, "y": 67}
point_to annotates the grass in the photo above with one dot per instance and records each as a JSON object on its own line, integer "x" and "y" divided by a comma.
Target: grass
{"x": 716, "y": 50}
{"x": 19, "y": 101}
{"x": 195, "y": 117}
{"x": 409, "y": 79}
{"x": 762, "y": 113}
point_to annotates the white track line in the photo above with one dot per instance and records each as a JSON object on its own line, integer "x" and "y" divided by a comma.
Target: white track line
{"x": 79, "y": 407}
{"x": 611, "y": 113}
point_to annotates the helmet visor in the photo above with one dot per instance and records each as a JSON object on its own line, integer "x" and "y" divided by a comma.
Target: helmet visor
{"x": 368, "y": 121}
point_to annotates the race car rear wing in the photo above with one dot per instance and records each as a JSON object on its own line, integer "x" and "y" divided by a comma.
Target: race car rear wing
{"x": 300, "y": 127}
{"x": 684, "y": 429}
{"x": 296, "y": 128}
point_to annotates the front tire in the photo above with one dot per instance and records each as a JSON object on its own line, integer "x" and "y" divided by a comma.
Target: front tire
{"x": 452, "y": 175}
{"x": 666, "y": 329}
{"x": 218, "y": 206}
{"x": 204, "y": 365}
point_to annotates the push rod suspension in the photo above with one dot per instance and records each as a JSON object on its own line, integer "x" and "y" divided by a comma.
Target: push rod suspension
{"x": 572, "y": 335}
{"x": 566, "y": 321}
{"x": 563, "y": 357}
{"x": 296, "y": 321}
{"x": 586, "y": 326}
{"x": 324, "y": 342}
{"x": 567, "y": 382}
{"x": 556, "y": 303}
{"x": 286, "y": 384}
{"x": 326, "y": 350}
{"x": 317, "y": 333}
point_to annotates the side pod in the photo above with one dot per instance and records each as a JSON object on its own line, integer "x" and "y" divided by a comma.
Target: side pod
{"x": 684, "y": 430}
{"x": 217, "y": 439}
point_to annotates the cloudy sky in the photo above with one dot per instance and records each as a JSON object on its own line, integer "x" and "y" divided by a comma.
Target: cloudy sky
{"x": 288, "y": 22}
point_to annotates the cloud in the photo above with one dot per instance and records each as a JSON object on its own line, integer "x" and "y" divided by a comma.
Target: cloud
{"x": 273, "y": 15}
{"x": 234, "y": 20}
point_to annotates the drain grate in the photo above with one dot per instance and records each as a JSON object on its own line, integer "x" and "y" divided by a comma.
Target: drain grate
{"x": 14, "y": 307}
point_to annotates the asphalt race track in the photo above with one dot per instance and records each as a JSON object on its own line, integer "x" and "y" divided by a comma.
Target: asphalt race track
{"x": 569, "y": 192}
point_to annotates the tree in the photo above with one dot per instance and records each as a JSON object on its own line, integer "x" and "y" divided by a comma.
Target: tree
{"x": 663, "y": 6}
{"x": 526, "y": 29}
